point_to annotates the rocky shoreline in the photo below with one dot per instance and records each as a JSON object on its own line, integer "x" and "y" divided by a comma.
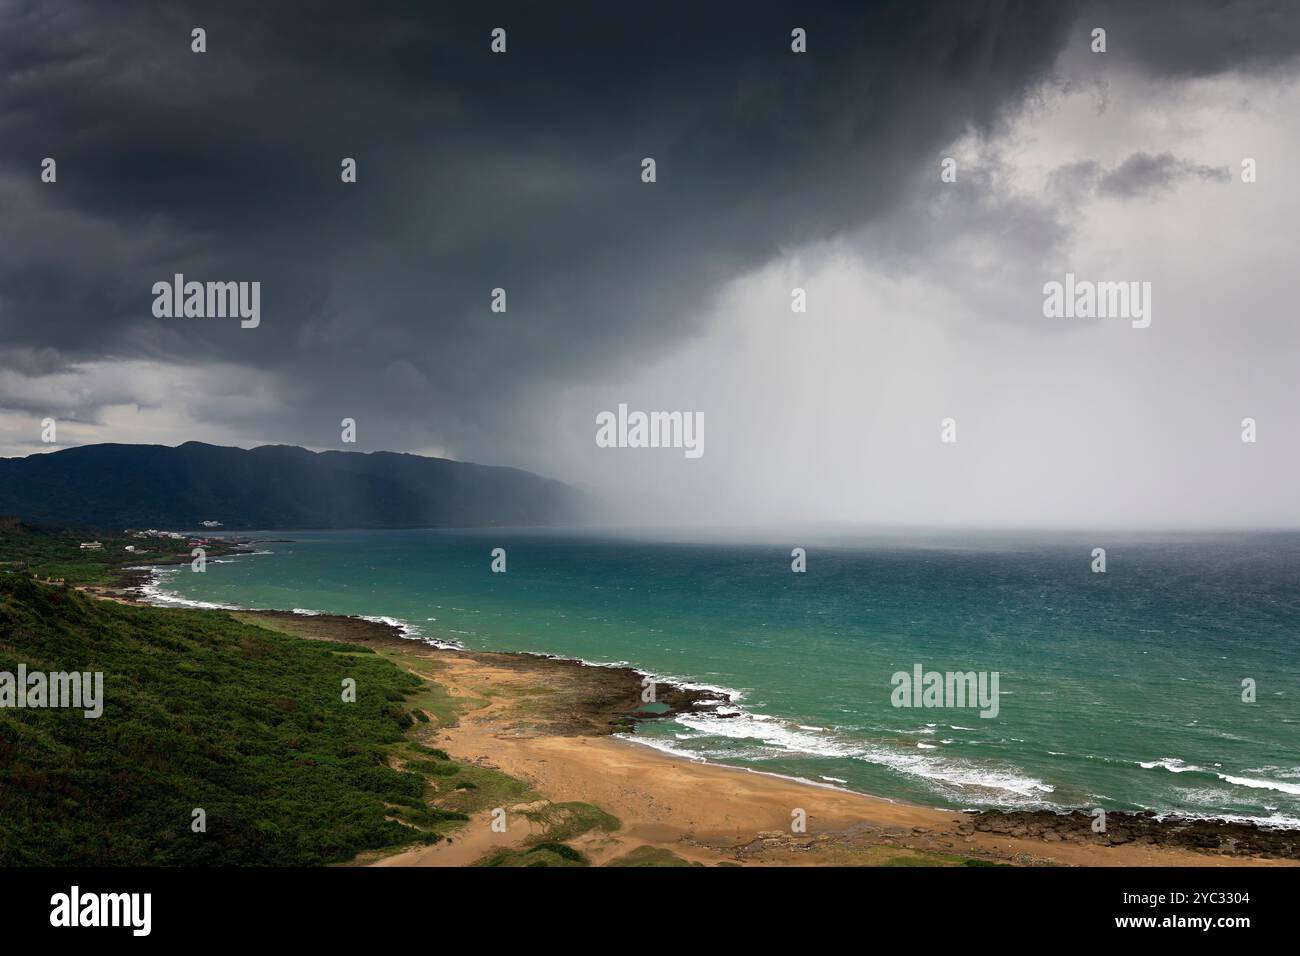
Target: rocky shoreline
{"x": 598, "y": 700}
{"x": 1231, "y": 837}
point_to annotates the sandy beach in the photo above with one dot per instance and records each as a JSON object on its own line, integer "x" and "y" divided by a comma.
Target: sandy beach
{"x": 548, "y": 723}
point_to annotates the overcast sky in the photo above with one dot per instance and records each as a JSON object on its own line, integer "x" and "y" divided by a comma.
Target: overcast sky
{"x": 775, "y": 170}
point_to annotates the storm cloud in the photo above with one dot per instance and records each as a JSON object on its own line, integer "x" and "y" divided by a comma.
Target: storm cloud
{"x": 479, "y": 170}
{"x": 476, "y": 171}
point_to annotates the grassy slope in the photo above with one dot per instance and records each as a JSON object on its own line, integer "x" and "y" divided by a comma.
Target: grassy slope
{"x": 200, "y": 711}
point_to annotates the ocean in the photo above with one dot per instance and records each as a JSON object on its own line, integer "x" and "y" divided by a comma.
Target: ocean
{"x": 1122, "y": 690}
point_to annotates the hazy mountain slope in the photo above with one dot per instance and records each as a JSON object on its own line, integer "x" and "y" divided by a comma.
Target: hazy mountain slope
{"x": 274, "y": 486}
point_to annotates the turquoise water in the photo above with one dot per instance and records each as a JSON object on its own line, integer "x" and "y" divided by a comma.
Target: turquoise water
{"x": 1121, "y": 690}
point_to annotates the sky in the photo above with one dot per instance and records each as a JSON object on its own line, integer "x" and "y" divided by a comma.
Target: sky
{"x": 775, "y": 170}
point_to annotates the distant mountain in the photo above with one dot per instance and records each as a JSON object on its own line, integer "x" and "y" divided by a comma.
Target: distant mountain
{"x": 274, "y": 486}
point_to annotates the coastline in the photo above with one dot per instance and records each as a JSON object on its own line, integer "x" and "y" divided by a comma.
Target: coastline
{"x": 561, "y": 726}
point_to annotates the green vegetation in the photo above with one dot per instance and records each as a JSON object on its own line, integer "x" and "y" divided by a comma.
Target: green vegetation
{"x": 541, "y": 854}
{"x": 653, "y": 856}
{"x": 473, "y": 789}
{"x": 432, "y": 698}
{"x": 560, "y": 822}
{"x": 203, "y": 711}
{"x": 57, "y": 553}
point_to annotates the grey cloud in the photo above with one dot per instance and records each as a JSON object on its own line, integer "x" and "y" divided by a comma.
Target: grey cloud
{"x": 1072, "y": 183}
{"x": 1143, "y": 174}
{"x": 475, "y": 171}
{"x": 520, "y": 171}
{"x": 1182, "y": 39}
{"x": 1139, "y": 175}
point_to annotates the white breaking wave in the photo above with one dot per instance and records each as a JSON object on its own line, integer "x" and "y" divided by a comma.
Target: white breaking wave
{"x": 1172, "y": 764}
{"x": 661, "y": 744}
{"x": 783, "y": 738}
{"x": 960, "y": 774}
{"x": 1175, "y": 765}
{"x": 405, "y": 628}
{"x": 153, "y": 593}
{"x": 768, "y": 732}
{"x": 1290, "y": 788}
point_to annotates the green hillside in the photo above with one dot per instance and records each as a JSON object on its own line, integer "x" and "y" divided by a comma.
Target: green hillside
{"x": 200, "y": 711}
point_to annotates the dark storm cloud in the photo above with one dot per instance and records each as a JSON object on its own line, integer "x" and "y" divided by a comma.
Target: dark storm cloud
{"x": 1188, "y": 38}
{"x": 476, "y": 171}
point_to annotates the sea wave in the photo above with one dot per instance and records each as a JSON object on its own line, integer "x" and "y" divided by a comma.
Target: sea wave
{"x": 404, "y": 628}
{"x": 1176, "y": 765}
{"x": 156, "y": 594}
{"x": 1003, "y": 785}
{"x": 153, "y": 593}
{"x": 1254, "y": 784}
{"x": 776, "y": 738}
{"x": 771, "y": 733}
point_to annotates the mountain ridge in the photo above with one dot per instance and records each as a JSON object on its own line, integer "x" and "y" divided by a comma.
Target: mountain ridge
{"x": 274, "y": 486}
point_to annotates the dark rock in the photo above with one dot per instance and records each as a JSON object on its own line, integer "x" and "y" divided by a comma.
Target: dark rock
{"x": 1219, "y": 836}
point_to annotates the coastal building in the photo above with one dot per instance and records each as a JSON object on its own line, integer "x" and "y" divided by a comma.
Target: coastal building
{"x": 91, "y": 546}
